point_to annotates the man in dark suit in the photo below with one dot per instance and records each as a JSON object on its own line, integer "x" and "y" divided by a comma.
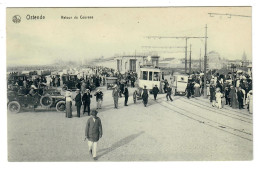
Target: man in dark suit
{"x": 155, "y": 91}
{"x": 86, "y": 100}
{"x": 93, "y": 133}
{"x": 126, "y": 94}
{"x": 78, "y": 102}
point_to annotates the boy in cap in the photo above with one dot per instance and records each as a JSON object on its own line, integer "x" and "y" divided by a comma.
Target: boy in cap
{"x": 93, "y": 133}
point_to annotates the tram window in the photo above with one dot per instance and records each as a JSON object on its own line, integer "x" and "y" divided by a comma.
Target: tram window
{"x": 150, "y": 76}
{"x": 156, "y": 76}
{"x": 144, "y": 75}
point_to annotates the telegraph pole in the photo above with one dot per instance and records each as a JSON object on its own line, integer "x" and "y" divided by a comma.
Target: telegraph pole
{"x": 190, "y": 61}
{"x": 186, "y": 55}
{"x": 200, "y": 59}
{"x": 205, "y": 64}
{"x": 179, "y": 37}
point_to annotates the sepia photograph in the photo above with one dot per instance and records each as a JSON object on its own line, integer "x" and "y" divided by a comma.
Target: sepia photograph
{"x": 124, "y": 84}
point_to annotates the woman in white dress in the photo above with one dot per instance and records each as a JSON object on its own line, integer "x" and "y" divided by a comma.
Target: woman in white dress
{"x": 250, "y": 101}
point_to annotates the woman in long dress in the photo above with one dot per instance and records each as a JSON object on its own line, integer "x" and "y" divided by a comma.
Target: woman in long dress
{"x": 233, "y": 98}
{"x": 197, "y": 90}
{"x": 250, "y": 101}
{"x": 145, "y": 96}
{"x": 68, "y": 104}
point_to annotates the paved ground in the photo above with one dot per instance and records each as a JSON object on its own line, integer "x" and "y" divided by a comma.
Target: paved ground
{"x": 181, "y": 130}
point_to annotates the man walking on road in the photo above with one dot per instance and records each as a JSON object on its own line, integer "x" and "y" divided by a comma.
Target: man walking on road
{"x": 86, "y": 101}
{"x": 78, "y": 102}
{"x": 145, "y": 96}
{"x": 115, "y": 95}
{"x": 93, "y": 132}
{"x": 155, "y": 91}
{"x": 126, "y": 94}
{"x": 169, "y": 93}
{"x": 99, "y": 98}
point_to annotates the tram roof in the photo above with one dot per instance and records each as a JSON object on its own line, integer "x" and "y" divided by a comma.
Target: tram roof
{"x": 150, "y": 68}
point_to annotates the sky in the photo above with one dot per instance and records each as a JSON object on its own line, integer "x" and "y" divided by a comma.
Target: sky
{"x": 118, "y": 31}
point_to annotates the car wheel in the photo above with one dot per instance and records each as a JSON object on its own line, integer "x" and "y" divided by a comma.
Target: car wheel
{"x": 61, "y": 106}
{"x": 46, "y": 101}
{"x": 14, "y": 107}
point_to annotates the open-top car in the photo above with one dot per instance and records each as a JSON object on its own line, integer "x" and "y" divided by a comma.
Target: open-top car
{"x": 50, "y": 99}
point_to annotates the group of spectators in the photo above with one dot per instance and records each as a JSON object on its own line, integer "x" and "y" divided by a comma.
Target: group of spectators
{"x": 234, "y": 90}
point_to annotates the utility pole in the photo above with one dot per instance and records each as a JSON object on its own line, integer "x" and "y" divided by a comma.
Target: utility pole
{"x": 190, "y": 61}
{"x": 179, "y": 37}
{"x": 186, "y": 55}
{"x": 200, "y": 59}
{"x": 205, "y": 64}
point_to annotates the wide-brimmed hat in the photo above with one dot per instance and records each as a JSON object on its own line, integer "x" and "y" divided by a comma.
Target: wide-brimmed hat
{"x": 114, "y": 86}
{"x": 68, "y": 94}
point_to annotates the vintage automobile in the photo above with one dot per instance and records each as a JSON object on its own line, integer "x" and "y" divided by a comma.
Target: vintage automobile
{"x": 111, "y": 81}
{"x": 49, "y": 99}
{"x": 179, "y": 84}
{"x": 69, "y": 81}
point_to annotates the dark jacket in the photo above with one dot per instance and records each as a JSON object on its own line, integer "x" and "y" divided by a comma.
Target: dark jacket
{"x": 126, "y": 93}
{"x": 86, "y": 97}
{"x": 155, "y": 90}
{"x": 145, "y": 94}
{"x": 78, "y": 100}
{"x": 99, "y": 95}
{"x": 169, "y": 90}
{"x": 240, "y": 95}
{"x": 93, "y": 130}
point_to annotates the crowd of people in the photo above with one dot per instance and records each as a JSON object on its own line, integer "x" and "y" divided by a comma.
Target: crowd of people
{"x": 234, "y": 90}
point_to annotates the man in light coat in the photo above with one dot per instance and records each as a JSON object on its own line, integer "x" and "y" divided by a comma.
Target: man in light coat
{"x": 115, "y": 95}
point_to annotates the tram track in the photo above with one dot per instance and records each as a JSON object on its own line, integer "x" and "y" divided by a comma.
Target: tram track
{"x": 227, "y": 114}
{"x": 202, "y": 120}
{"x": 233, "y": 110}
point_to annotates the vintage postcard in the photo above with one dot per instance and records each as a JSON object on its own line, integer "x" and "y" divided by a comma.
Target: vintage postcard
{"x": 129, "y": 84}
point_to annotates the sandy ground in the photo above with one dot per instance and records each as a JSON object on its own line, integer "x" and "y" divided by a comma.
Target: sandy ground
{"x": 182, "y": 130}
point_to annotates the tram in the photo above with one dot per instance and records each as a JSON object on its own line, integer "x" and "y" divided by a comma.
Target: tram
{"x": 149, "y": 76}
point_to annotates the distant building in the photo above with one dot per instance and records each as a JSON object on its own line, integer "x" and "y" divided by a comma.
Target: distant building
{"x": 132, "y": 63}
{"x": 126, "y": 63}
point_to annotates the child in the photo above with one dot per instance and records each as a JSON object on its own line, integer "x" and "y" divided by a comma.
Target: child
{"x": 218, "y": 98}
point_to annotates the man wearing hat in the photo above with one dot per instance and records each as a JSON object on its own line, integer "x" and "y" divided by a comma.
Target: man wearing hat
{"x": 115, "y": 95}
{"x": 155, "y": 91}
{"x": 93, "y": 132}
{"x": 78, "y": 102}
{"x": 86, "y": 100}
{"x": 99, "y": 98}
{"x": 126, "y": 94}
